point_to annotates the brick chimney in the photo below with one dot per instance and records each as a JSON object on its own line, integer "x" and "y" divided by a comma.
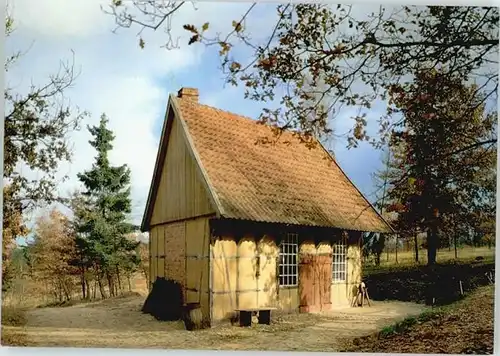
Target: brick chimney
{"x": 188, "y": 94}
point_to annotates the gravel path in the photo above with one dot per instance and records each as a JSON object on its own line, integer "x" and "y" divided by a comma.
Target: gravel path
{"x": 119, "y": 323}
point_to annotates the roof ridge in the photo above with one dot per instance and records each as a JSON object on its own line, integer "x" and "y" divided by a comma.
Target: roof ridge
{"x": 239, "y": 116}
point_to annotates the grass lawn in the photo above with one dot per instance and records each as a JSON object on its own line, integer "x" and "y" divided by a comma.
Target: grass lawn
{"x": 436, "y": 285}
{"x": 464, "y": 327}
{"x": 407, "y": 258}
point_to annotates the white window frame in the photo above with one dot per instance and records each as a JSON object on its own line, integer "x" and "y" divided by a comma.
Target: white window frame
{"x": 288, "y": 271}
{"x": 339, "y": 262}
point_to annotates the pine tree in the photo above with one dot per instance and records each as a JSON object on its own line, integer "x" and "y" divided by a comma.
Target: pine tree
{"x": 84, "y": 260}
{"x": 104, "y": 224}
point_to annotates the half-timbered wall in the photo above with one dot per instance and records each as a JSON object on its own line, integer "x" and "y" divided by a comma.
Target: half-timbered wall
{"x": 180, "y": 251}
{"x": 245, "y": 273}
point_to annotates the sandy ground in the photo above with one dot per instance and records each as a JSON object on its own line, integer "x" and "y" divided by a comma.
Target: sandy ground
{"x": 119, "y": 323}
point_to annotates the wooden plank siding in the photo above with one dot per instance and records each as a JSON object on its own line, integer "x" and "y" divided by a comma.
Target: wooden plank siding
{"x": 197, "y": 263}
{"x": 181, "y": 193}
{"x": 180, "y": 251}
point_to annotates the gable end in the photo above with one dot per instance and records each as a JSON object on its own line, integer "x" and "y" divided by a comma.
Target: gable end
{"x": 178, "y": 189}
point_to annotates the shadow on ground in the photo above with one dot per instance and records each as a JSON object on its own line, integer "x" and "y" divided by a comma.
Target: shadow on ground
{"x": 438, "y": 285}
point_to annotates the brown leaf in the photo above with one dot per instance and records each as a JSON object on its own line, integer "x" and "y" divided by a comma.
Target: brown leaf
{"x": 190, "y": 28}
{"x": 194, "y": 39}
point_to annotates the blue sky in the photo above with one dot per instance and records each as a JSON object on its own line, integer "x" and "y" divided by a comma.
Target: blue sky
{"x": 132, "y": 85}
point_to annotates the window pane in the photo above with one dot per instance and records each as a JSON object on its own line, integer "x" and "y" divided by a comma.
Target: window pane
{"x": 288, "y": 260}
{"x": 339, "y": 265}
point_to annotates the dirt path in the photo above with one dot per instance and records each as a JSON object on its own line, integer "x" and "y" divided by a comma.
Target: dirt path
{"x": 119, "y": 323}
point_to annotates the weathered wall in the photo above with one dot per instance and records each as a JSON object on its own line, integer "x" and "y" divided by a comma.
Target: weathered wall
{"x": 181, "y": 193}
{"x": 244, "y": 274}
{"x": 168, "y": 250}
{"x": 180, "y": 251}
{"x": 224, "y": 275}
{"x": 197, "y": 263}
{"x": 288, "y": 299}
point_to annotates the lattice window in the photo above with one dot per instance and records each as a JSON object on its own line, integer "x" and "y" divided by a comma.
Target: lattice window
{"x": 339, "y": 263}
{"x": 288, "y": 265}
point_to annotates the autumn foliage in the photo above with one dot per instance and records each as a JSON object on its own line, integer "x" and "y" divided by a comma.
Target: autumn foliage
{"x": 54, "y": 252}
{"x": 13, "y": 227}
{"x": 443, "y": 168}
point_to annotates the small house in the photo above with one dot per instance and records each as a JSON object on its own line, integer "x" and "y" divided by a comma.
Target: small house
{"x": 242, "y": 224}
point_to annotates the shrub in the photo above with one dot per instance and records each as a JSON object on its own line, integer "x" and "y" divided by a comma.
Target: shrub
{"x": 13, "y": 316}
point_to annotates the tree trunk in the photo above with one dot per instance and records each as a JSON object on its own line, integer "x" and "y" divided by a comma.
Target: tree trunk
{"x": 377, "y": 259}
{"x": 101, "y": 288}
{"x": 87, "y": 285}
{"x": 396, "y": 240}
{"x": 118, "y": 278}
{"x": 82, "y": 282}
{"x": 67, "y": 292}
{"x": 129, "y": 283}
{"x": 110, "y": 285}
{"x": 415, "y": 238}
{"x": 431, "y": 245}
{"x": 455, "y": 246}
{"x": 379, "y": 246}
{"x": 145, "y": 272}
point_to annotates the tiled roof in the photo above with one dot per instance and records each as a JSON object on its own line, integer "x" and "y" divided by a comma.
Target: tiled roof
{"x": 283, "y": 183}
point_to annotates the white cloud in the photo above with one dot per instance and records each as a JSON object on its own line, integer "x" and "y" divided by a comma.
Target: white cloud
{"x": 59, "y": 18}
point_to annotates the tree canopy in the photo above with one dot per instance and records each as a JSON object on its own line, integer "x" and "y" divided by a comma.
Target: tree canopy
{"x": 307, "y": 73}
{"x": 440, "y": 177}
{"x": 36, "y": 128}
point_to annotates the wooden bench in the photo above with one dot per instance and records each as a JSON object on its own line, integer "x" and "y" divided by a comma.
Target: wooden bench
{"x": 264, "y": 315}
